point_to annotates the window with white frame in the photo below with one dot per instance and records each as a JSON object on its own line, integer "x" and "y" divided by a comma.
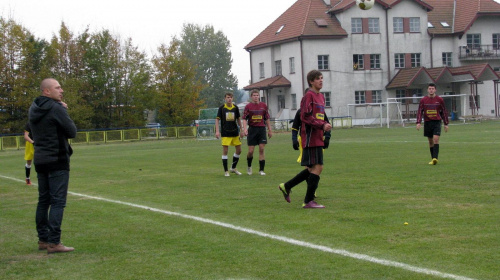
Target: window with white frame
{"x": 414, "y": 24}
{"x": 292, "y": 65}
{"x": 356, "y": 25}
{"x": 294, "y": 101}
{"x": 415, "y": 59}
{"x": 327, "y": 99}
{"x": 474, "y": 41}
{"x": 399, "y": 60}
{"x": 447, "y": 59}
{"x": 359, "y": 97}
{"x": 323, "y": 62}
{"x": 277, "y": 66}
{"x": 496, "y": 41}
{"x": 397, "y": 24}
{"x": 358, "y": 62}
{"x": 374, "y": 61}
{"x": 373, "y": 25}
{"x": 377, "y": 96}
{"x": 261, "y": 70}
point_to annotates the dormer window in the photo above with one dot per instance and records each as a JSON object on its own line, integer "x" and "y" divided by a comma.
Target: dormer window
{"x": 281, "y": 28}
{"x": 429, "y": 25}
{"x": 445, "y": 24}
{"x": 321, "y": 22}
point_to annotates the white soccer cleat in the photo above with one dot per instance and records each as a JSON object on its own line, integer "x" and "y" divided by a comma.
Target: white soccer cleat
{"x": 262, "y": 173}
{"x": 226, "y": 174}
{"x": 249, "y": 170}
{"x": 235, "y": 171}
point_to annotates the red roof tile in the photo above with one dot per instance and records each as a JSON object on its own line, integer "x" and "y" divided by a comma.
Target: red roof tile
{"x": 299, "y": 21}
{"x": 466, "y": 12}
{"x": 405, "y": 78}
{"x": 273, "y": 82}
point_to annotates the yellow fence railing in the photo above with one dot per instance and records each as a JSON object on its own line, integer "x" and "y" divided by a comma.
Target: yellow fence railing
{"x": 140, "y": 134}
{"x": 108, "y": 136}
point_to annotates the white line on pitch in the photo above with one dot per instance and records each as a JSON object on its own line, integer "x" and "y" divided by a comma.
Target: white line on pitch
{"x": 340, "y": 252}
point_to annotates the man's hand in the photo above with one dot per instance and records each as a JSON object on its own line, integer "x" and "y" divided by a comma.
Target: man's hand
{"x": 327, "y": 127}
{"x": 445, "y": 128}
{"x": 269, "y": 133}
{"x": 419, "y": 125}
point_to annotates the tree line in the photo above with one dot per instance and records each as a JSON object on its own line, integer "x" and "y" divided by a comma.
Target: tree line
{"x": 109, "y": 82}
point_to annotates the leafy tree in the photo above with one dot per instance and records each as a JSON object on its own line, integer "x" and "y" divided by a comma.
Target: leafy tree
{"x": 65, "y": 62}
{"x": 177, "y": 86}
{"x": 210, "y": 52}
{"x": 20, "y": 64}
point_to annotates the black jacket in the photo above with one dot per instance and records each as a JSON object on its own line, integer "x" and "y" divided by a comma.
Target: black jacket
{"x": 51, "y": 127}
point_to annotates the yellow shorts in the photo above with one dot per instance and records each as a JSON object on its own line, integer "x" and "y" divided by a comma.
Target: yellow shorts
{"x": 29, "y": 151}
{"x": 231, "y": 141}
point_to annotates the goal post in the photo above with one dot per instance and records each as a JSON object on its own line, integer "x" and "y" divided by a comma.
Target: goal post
{"x": 367, "y": 114}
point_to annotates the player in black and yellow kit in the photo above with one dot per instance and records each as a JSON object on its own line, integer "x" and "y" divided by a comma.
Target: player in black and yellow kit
{"x": 29, "y": 152}
{"x": 229, "y": 118}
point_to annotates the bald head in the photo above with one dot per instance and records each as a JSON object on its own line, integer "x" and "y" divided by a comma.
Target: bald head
{"x": 51, "y": 88}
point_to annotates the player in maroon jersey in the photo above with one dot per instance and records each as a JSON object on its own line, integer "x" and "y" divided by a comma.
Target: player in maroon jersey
{"x": 433, "y": 109}
{"x": 313, "y": 127}
{"x": 256, "y": 116}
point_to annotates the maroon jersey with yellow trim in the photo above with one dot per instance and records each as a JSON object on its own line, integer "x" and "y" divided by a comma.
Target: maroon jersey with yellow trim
{"x": 312, "y": 115}
{"x": 433, "y": 109}
{"x": 256, "y": 114}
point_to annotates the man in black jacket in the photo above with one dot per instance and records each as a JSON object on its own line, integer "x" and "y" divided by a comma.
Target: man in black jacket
{"x": 51, "y": 127}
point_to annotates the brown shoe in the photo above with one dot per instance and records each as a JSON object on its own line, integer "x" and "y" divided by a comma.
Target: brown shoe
{"x": 58, "y": 248}
{"x": 42, "y": 245}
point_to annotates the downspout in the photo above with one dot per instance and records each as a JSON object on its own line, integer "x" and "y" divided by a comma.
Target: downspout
{"x": 251, "y": 72}
{"x": 302, "y": 67}
{"x": 432, "y": 61}
{"x": 387, "y": 46}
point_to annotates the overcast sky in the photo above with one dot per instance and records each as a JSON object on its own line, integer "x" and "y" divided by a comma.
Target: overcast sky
{"x": 152, "y": 22}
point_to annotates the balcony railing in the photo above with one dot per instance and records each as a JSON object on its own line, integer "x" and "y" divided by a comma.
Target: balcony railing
{"x": 479, "y": 52}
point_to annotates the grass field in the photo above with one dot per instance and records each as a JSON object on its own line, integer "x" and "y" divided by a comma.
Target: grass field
{"x": 164, "y": 210}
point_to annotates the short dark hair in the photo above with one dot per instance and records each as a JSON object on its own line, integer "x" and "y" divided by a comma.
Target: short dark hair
{"x": 313, "y": 75}
{"x": 254, "y": 91}
{"x": 228, "y": 94}
{"x": 431, "y": 85}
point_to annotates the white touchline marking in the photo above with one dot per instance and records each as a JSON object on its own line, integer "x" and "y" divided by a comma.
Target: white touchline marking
{"x": 340, "y": 252}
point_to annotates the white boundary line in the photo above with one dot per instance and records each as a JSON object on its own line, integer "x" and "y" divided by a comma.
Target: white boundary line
{"x": 340, "y": 252}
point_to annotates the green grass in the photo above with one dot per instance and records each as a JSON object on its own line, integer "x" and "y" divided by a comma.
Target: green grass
{"x": 374, "y": 180}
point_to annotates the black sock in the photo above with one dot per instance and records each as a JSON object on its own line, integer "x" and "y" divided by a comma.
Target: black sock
{"x": 224, "y": 163}
{"x": 436, "y": 151}
{"x": 299, "y": 178}
{"x": 432, "y": 152}
{"x": 262, "y": 164}
{"x": 236, "y": 158}
{"x": 28, "y": 171}
{"x": 312, "y": 185}
{"x": 249, "y": 161}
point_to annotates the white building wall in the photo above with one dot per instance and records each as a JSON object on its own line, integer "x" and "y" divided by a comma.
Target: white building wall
{"x": 341, "y": 80}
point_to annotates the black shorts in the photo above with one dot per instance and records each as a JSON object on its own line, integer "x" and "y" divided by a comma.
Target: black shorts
{"x": 256, "y": 135}
{"x": 312, "y": 156}
{"x": 432, "y": 128}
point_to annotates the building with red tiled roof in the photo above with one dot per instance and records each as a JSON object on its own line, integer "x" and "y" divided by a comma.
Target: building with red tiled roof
{"x": 370, "y": 57}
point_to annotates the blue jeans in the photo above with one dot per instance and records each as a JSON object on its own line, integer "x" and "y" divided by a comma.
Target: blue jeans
{"x": 52, "y": 193}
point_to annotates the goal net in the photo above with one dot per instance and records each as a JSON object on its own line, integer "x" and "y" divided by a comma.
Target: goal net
{"x": 368, "y": 114}
{"x": 205, "y": 124}
{"x": 402, "y": 111}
